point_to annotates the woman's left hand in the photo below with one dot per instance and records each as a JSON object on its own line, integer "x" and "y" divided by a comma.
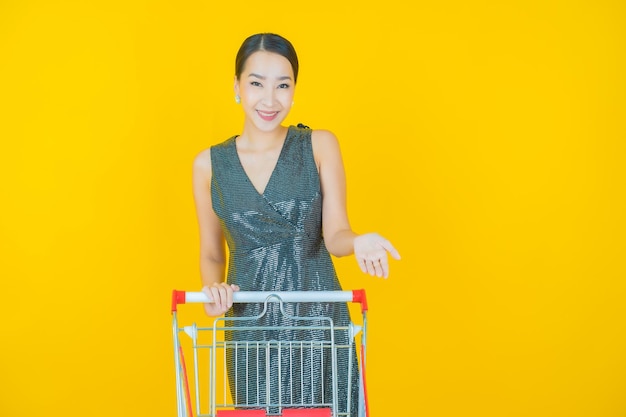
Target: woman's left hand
{"x": 371, "y": 251}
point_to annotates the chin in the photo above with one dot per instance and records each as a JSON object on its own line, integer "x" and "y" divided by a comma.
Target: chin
{"x": 266, "y": 126}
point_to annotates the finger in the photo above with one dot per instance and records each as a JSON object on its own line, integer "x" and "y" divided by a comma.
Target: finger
{"x": 387, "y": 246}
{"x": 378, "y": 269}
{"x": 229, "y": 296}
{"x": 208, "y": 291}
{"x": 363, "y": 265}
{"x": 371, "y": 268}
{"x": 384, "y": 267}
{"x": 223, "y": 291}
{"x": 390, "y": 248}
{"x": 216, "y": 297}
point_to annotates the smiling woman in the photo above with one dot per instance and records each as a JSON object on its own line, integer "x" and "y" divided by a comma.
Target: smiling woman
{"x": 265, "y": 193}
{"x": 266, "y": 88}
{"x": 485, "y": 139}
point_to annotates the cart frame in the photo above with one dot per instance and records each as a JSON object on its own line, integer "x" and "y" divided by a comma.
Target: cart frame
{"x": 220, "y": 325}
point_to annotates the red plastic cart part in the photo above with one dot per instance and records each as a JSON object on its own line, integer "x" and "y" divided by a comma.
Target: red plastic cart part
{"x": 307, "y": 412}
{"x": 241, "y": 413}
{"x": 186, "y": 382}
{"x": 178, "y": 297}
{"x": 367, "y": 407}
{"x": 358, "y": 296}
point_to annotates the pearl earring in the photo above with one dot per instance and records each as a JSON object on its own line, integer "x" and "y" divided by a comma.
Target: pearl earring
{"x": 237, "y": 99}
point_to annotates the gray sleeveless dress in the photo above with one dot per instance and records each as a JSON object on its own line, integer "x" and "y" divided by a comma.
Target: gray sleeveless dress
{"x": 275, "y": 244}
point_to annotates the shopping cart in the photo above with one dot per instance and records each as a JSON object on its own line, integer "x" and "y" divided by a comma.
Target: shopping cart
{"x": 207, "y": 388}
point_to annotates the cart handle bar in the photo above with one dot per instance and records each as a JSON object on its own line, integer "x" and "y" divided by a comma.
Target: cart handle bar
{"x": 354, "y": 296}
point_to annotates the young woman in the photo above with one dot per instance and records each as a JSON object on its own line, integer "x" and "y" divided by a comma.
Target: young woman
{"x": 276, "y": 195}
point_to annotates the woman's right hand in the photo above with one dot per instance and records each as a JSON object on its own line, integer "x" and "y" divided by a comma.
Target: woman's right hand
{"x": 371, "y": 251}
{"x": 221, "y": 295}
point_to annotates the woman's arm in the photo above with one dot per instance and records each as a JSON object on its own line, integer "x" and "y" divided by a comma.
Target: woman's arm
{"x": 370, "y": 249}
{"x": 212, "y": 250}
{"x": 338, "y": 234}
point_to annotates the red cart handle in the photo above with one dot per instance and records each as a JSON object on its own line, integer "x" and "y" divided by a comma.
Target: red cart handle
{"x": 354, "y": 296}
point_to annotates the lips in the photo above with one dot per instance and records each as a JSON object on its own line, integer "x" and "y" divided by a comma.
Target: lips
{"x": 268, "y": 116}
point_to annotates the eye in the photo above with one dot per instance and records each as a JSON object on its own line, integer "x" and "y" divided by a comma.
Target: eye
{"x": 255, "y": 83}
{"x": 283, "y": 86}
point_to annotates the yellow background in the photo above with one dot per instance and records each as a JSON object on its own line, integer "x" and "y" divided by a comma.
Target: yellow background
{"x": 485, "y": 139}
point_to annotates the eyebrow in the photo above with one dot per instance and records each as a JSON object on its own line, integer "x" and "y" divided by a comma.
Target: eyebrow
{"x": 284, "y": 77}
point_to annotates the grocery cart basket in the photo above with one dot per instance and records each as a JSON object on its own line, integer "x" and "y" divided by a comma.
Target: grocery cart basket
{"x": 287, "y": 365}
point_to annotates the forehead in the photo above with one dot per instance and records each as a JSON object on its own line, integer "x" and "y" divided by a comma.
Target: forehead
{"x": 268, "y": 64}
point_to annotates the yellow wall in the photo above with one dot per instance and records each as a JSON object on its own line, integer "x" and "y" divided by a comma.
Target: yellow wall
{"x": 485, "y": 140}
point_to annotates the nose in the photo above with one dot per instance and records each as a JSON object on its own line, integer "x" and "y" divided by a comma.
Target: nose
{"x": 268, "y": 97}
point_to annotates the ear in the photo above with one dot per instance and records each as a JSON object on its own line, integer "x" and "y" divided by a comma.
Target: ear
{"x": 236, "y": 85}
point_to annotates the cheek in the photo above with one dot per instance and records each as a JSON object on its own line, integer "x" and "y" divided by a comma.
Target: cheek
{"x": 250, "y": 94}
{"x": 285, "y": 96}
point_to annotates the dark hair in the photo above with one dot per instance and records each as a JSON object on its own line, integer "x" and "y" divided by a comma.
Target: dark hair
{"x": 269, "y": 42}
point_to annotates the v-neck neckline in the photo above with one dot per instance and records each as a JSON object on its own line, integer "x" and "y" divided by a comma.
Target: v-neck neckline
{"x": 273, "y": 173}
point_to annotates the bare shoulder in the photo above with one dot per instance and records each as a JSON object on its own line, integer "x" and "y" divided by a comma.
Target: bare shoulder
{"x": 325, "y": 147}
{"x": 324, "y": 141}
{"x": 323, "y": 135}
{"x": 202, "y": 163}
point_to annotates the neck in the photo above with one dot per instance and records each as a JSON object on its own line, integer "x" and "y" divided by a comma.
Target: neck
{"x": 252, "y": 137}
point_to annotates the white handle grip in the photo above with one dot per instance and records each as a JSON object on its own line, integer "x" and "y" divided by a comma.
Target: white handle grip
{"x": 357, "y": 296}
{"x": 276, "y": 296}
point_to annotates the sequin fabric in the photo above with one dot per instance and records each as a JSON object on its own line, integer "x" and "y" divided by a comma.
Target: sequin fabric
{"x": 275, "y": 243}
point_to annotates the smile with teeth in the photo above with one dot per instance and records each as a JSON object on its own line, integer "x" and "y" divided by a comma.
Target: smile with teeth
{"x": 267, "y": 115}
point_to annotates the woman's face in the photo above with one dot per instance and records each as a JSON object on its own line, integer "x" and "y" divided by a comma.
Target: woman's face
{"x": 266, "y": 87}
